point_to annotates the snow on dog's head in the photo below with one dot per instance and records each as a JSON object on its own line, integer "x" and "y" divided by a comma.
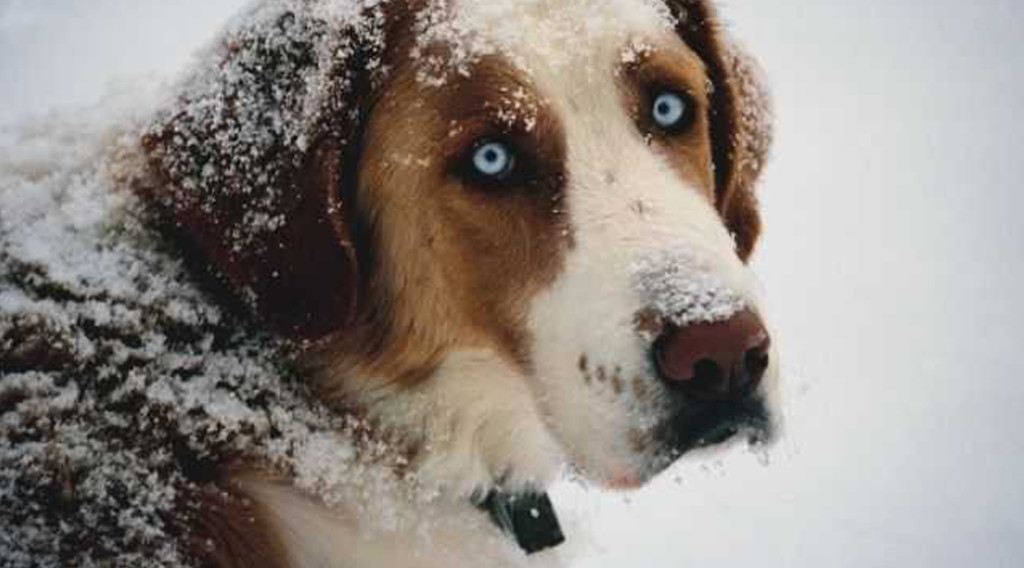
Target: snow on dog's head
{"x": 511, "y": 233}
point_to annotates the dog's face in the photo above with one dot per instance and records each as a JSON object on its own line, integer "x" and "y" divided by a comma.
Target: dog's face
{"x": 549, "y": 209}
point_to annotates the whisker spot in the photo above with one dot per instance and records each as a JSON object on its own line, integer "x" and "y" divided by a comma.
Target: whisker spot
{"x": 640, "y": 388}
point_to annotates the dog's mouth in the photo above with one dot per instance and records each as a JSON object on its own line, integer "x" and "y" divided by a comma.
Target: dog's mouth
{"x": 700, "y": 426}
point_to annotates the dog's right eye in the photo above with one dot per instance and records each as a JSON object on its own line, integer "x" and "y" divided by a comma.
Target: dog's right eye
{"x": 672, "y": 111}
{"x": 493, "y": 161}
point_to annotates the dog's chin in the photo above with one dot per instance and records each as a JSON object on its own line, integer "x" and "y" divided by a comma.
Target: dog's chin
{"x": 703, "y": 426}
{"x": 687, "y": 430}
{"x": 690, "y": 429}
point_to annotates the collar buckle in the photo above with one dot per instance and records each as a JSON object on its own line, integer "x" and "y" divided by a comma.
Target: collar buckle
{"x": 529, "y": 517}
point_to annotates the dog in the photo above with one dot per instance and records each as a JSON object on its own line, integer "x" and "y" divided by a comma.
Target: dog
{"x": 509, "y": 236}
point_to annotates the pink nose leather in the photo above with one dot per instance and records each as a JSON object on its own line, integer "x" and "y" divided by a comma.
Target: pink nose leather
{"x": 715, "y": 362}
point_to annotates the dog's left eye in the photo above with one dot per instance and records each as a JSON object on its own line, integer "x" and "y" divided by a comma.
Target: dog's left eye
{"x": 672, "y": 111}
{"x": 493, "y": 160}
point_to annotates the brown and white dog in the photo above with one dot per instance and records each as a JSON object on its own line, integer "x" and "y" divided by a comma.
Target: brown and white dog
{"x": 510, "y": 234}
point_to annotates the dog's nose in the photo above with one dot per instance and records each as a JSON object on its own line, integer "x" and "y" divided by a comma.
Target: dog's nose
{"x": 715, "y": 362}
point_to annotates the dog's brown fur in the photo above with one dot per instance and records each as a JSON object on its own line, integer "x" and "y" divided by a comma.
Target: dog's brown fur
{"x": 740, "y": 143}
{"x": 416, "y": 209}
{"x": 233, "y": 531}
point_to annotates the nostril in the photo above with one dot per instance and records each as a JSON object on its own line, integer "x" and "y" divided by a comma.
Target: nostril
{"x": 707, "y": 377}
{"x": 756, "y": 361}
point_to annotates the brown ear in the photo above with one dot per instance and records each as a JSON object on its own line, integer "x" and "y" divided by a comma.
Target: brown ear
{"x": 250, "y": 161}
{"x": 741, "y": 118}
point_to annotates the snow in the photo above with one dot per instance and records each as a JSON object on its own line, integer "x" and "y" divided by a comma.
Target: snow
{"x": 683, "y": 291}
{"x": 560, "y": 31}
{"x": 241, "y": 118}
{"x": 120, "y": 376}
{"x": 892, "y": 265}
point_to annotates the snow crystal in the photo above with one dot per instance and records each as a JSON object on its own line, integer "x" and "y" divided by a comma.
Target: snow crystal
{"x": 680, "y": 289}
{"x": 757, "y": 119}
{"x": 635, "y": 51}
{"x": 561, "y": 34}
{"x": 273, "y": 82}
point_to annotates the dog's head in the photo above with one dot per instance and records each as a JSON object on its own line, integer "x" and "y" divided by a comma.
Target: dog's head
{"x": 513, "y": 232}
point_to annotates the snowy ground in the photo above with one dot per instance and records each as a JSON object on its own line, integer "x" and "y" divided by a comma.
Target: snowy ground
{"x": 892, "y": 264}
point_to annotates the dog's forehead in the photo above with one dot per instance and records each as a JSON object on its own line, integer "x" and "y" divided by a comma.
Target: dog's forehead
{"x": 541, "y": 37}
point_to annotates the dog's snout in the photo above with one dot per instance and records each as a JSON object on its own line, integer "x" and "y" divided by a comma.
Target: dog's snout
{"x": 715, "y": 362}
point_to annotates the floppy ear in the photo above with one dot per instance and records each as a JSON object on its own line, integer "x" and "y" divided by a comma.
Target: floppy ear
{"x": 741, "y": 118}
{"x": 251, "y": 163}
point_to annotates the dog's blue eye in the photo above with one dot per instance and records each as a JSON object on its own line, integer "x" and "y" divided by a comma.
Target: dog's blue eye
{"x": 670, "y": 110}
{"x": 494, "y": 160}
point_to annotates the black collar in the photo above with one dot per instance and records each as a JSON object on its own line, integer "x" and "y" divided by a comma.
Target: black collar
{"x": 529, "y": 517}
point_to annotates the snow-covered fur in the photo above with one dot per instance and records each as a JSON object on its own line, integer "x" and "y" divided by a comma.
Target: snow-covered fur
{"x": 281, "y": 320}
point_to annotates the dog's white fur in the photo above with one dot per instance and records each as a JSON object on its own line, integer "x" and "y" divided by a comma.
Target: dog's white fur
{"x": 443, "y": 533}
{"x": 484, "y": 421}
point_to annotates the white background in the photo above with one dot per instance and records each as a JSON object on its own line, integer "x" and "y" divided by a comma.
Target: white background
{"x": 893, "y": 265}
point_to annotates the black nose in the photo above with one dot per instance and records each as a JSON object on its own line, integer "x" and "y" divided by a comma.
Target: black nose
{"x": 715, "y": 362}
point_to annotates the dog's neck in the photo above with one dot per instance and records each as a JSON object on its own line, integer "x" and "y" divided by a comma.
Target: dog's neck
{"x": 527, "y": 516}
{"x": 425, "y": 534}
{"x": 462, "y": 435}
